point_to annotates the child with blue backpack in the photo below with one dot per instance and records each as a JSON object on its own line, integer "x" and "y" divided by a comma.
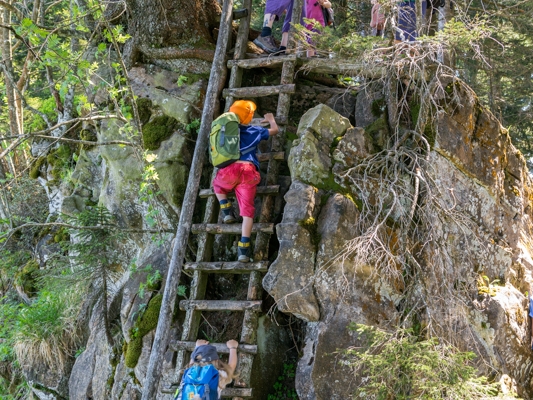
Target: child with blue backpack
{"x": 207, "y": 375}
{"x": 243, "y": 176}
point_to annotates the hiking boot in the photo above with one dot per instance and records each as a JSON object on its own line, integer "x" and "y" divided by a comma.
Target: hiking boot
{"x": 230, "y": 218}
{"x": 229, "y": 214}
{"x": 266, "y": 43}
{"x": 243, "y": 251}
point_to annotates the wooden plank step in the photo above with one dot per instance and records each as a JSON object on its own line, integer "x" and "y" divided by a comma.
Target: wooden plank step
{"x": 280, "y": 120}
{"x": 226, "y": 393}
{"x": 221, "y": 347}
{"x": 261, "y": 190}
{"x": 220, "y": 305}
{"x": 261, "y": 62}
{"x": 236, "y": 392}
{"x": 259, "y": 91}
{"x": 231, "y": 229}
{"x": 234, "y": 267}
{"x": 280, "y": 155}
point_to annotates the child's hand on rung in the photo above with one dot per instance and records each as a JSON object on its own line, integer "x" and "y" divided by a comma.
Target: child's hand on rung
{"x": 232, "y": 344}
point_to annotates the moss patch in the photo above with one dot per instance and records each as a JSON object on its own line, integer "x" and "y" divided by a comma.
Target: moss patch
{"x": 61, "y": 235}
{"x": 144, "y": 107}
{"x": 157, "y": 130}
{"x": 88, "y": 135}
{"x": 60, "y": 161}
{"x": 26, "y": 278}
{"x": 36, "y": 167}
{"x": 143, "y": 325}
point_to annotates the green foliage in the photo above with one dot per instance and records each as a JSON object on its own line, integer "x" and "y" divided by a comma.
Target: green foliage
{"x": 153, "y": 282}
{"x": 42, "y": 333}
{"x": 486, "y": 286}
{"x": 193, "y": 126}
{"x": 402, "y": 366}
{"x": 48, "y": 107}
{"x": 149, "y": 191}
{"x": 284, "y": 386}
{"x": 157, "y": 130}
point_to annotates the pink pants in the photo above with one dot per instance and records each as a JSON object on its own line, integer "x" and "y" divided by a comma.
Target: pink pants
{"x": 243, "y": 178}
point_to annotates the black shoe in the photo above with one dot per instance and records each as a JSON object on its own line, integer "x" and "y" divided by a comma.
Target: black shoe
{"x": 243, "y": 252}
{"x": 266, "y": 43}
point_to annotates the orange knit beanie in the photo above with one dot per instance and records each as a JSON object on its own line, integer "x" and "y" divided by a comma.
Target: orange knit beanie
{"x": 244, "y": 109}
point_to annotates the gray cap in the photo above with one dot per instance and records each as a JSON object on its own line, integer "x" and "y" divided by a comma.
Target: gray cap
{"x": 205, "y": 353}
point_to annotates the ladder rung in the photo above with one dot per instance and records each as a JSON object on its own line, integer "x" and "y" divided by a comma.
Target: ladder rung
{"x": 236, "y": 392}
{"x": 259, "y": 91}
{"x": 234, "y": 267}
{"x": 262, "y": 190}
{"x": 280, "y": 120}
{"x": 261, "y": 62}
{"x": 221, "y": 347}
{"x": 231, "y": 229}
{"x": 238, "y": 14}
{"x": 271, "y": 156}
{"x": 226, "y": 393}
{"x": 220, "y": 305}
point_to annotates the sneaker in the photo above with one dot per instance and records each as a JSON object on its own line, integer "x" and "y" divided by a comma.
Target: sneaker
{"x": 243, "y": 251}
{"x": 230, "y": 218}
{"x": 229, "y": 214}
{"x": 266, "y": 43}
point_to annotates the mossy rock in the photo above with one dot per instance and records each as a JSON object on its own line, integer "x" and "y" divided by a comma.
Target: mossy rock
{"x": 144, "y": 324}
{"x": 26, "y": 278}
{"x": 157, "y": 130}
{"x": 35, "y": 170}
{"x": 62, "y": 235}
{"x": 88, "y": 135}
{"x": 60, "y": 160}
{"x": 133, "y": 352}
{"x": 144, "y": 107}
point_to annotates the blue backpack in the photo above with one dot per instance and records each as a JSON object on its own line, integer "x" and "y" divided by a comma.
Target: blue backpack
{"x": 199, "y": 383}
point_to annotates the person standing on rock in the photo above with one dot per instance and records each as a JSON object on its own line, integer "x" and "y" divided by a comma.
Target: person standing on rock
{"x": 243, "y": 175}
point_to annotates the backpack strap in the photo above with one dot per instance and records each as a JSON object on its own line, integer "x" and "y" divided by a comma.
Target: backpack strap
{"x": 248, "y": 150}
{"x": 222, "y": 135}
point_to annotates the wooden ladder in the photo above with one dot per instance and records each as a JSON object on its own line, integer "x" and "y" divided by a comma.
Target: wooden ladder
{"x": 196, "y": 304}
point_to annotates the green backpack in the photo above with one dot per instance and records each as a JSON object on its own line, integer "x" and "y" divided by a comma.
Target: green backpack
{"x": 224, "y": 140}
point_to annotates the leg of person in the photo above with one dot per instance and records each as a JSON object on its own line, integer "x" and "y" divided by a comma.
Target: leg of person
{"x": 224, "y": 182}
{"x": 273, "y": 9}
{"x": 245, "y": 193}
{"x": 287, "y": 24}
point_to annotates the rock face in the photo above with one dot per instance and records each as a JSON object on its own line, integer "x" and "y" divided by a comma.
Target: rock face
{"x": 469, "y": 197}
{"x": 476, "y": 198}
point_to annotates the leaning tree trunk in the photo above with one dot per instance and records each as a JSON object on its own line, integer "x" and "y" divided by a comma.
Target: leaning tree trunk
{"x": 183, "y": 24}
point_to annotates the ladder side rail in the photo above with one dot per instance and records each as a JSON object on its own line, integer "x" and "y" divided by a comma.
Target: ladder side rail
{"x": 241, "y": 45}
{"x": 161, "y": 339}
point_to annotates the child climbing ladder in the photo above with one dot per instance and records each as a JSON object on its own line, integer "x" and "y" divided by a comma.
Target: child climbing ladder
{"x": 242, "y": 175}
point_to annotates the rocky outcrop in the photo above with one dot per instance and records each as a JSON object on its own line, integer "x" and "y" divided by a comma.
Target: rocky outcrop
{"x": 475, "y": 200}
